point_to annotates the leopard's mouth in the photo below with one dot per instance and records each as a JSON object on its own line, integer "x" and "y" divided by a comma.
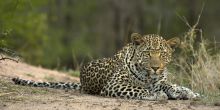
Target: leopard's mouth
{"x": 154, "y": 76}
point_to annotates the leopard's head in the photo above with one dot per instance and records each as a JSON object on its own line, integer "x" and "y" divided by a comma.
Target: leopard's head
{"x": 152, "y": 53}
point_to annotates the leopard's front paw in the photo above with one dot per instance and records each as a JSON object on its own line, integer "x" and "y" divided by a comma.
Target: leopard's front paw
{"x": 155, "y": 96}
{"x": 189, "y": 94}
{"x": 161, "y": 95}
{"x": 194, "y": 96}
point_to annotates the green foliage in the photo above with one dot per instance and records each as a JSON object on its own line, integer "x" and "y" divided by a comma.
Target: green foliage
{"x": 66, "y": 33}
{"x": 74, "y": 73}
{"x": 34, "y": 29}
{"x": 25, "y": 31}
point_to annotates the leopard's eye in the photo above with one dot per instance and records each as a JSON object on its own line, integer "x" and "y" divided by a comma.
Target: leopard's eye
{"x": 146, "y": 54}
{"x": 162, "y": 53}
{"x": 163, "y": 57}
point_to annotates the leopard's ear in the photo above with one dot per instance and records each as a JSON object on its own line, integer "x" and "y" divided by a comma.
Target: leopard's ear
{"x": 136, "y": 38}
{"x": 174, "y": 42}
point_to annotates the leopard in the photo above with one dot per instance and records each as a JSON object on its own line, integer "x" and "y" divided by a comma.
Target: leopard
{"x": 137, "y": 71}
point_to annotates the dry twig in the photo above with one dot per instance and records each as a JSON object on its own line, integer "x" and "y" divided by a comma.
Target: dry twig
{"x": 8, "y": 58}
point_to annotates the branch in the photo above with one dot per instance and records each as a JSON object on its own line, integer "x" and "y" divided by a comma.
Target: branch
{"x": 7, "y": 58}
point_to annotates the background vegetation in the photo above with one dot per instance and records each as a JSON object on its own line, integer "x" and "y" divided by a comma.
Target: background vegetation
{"x": 67, "y": 33}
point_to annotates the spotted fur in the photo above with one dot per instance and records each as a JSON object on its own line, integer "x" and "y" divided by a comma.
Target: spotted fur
{"x": 138, "y": 71}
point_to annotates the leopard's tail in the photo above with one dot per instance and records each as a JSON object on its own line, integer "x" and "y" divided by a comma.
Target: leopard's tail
{"x": 55, "y": 85}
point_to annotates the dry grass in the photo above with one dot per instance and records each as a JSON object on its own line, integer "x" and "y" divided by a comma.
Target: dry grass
{"x": 198, "y": 65}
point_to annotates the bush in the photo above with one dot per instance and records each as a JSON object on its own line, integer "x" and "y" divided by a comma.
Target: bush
{"x": 197, "y": 66}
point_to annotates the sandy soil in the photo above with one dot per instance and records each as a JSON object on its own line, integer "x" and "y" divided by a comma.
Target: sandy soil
{"x": 13, "y": 97}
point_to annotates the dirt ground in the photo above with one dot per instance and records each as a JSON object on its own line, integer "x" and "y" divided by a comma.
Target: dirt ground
{"x": 13, "y": 97}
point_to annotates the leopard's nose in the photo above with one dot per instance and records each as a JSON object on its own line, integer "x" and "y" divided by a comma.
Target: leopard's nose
{"x": 155, "y": 68}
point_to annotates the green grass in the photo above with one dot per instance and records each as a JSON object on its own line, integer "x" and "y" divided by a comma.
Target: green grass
{"x": 74, "y": 73}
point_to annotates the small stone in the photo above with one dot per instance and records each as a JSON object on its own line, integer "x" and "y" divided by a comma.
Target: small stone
{"x": 189, "y": 107}
{"x": 116, "y": 109}
{"x": 193, "y": 103}
{"x": 150, "y": 106}
{"x": 217, "y": 103}
{"x": 104, "y": 106}
{"x": 163, "y": 101}
{"x": 174, "y": 109}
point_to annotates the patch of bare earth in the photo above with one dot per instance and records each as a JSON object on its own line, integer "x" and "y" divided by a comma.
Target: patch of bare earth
{"x": 13, "y": 97}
